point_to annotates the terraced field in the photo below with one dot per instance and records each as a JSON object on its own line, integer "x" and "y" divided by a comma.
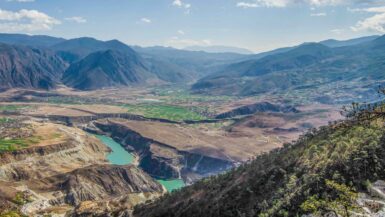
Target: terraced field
{"x": 16, "y": 144}
{"x": 5, "y": 120}
{"x": 11, "y": 107}
{"x": 162, "y": 111}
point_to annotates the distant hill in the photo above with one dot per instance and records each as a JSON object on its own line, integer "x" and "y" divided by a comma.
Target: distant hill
{"x": 219, "y": 49}
{"x": 196, "y": 63}
{"x": 26, "y": 67}
{"x": 330, "y": 43}
{"x": 350, "y": 42}
{"x": 272, "y": 52}
{"x": 41, "y": 41}
{"x": 306, "y": 66}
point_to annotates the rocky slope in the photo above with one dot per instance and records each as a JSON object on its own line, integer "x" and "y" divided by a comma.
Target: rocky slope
{"x": 98, "y": 185}
{"x": 29, "y": 68}
{"x": 76, "y": 149}
{"x": 107, "y": 69}
{"x": 102, "y": 182}
{"x": 58, "y": 170}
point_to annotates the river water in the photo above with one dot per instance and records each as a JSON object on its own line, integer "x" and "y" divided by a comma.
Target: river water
{"x": 119, "y": 156}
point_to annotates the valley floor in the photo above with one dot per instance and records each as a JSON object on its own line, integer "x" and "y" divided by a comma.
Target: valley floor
{"x": 48, "y": 152}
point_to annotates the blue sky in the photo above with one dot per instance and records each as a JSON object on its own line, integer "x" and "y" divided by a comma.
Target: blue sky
{"x": 257, "y": 25}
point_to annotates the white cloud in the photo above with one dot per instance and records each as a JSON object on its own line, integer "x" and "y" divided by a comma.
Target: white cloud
{"x": 247, "y": 5}
{"x": 263, "y": 3}
{"x": 20, "y": 0}
{"x": 322, "y": 14}
{"x": 177, "y": 3}
{"x": 337, "y": 31}
{"x": 374, "y": 23}
{"x": 181, "y": 43}
{"x": 325, "y": 2}
{"x": 181, "y": 32}
{"x": 372, "y": 9}
{"x": 76, "y": 19}
{"x": 145, "y": 20}
{"x": 311, "y": 3}
{"x": 181, "y": 4}
{"x": 25, "y": 20}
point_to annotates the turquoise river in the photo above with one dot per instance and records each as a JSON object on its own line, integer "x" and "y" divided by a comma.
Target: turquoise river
{"x": 119, "y": 156}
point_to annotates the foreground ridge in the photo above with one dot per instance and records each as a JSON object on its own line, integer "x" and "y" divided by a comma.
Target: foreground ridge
{"x": 336, "y": 170}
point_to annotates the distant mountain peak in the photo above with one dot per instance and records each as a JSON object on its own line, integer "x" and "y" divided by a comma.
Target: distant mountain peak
{"x": 75, "y": 49}
{"x": 310, "y": 48}
{"x": 379, "y": 40}
{"x": 349, "y": 42}
{"x": 29, "y": 40}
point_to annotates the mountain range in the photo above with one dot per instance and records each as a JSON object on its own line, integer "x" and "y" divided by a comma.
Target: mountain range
{"x": 300, "y": 67}
{"x": 87, "y": 63}
{"x": 82, "y": 63}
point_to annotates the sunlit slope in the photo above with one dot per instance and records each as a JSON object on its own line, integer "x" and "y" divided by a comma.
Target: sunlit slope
{"x": 322, "y": 172}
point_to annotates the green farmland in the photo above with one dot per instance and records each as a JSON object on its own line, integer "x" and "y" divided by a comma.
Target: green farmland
{"x": 169, "y": 112}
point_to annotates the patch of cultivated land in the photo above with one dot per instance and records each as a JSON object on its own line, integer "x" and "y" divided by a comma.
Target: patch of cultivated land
{"x": 75, "y": 110}
{"x": 169, "y": 112}
{"x": 15, "y": 135}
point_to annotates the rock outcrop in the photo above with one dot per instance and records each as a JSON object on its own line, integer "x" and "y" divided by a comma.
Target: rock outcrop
{"x": 257, "y": 107}
{"x": 97, "y": 183}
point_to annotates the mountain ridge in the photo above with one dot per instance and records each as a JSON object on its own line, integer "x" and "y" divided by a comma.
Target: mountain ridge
{"x": 297, "y": 67}
{"x": 42, "y": 41}
{"x": 26, "y": 67}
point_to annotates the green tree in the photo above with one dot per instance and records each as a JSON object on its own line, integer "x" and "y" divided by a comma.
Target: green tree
{"x": 341, "y": 201}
